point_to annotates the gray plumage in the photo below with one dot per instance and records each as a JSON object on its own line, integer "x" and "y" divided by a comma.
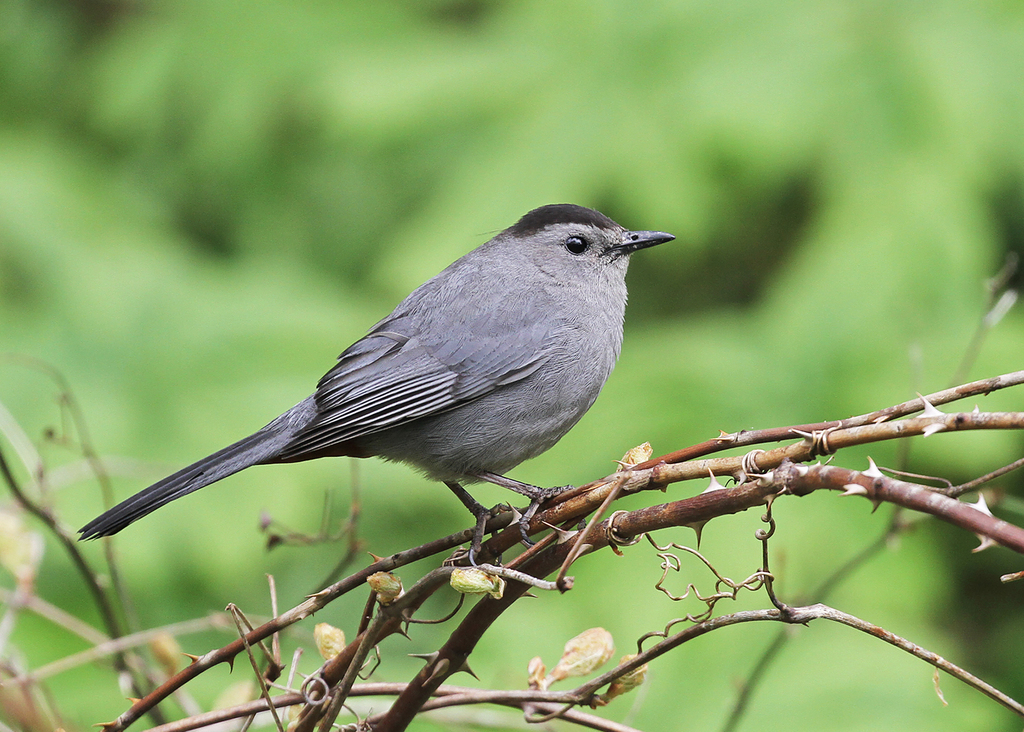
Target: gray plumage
{"x": 482, "y": 367}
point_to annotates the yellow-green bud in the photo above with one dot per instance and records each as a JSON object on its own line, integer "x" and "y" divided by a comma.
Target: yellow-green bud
{"x": 472, "y": 581}
{"x": 388, "y": 586}
{"x": 330, "y": 641}
{"x": 626, "y": 682}
{"x": 583, "y": 654}
{"x": 166, "y": 651}
{"x": 637, "y": 455}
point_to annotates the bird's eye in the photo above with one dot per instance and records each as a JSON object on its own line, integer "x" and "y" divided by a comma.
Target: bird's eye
{"x": 576, "y": 244}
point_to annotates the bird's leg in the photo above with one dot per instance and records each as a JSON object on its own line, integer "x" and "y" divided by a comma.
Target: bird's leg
{"x": 536, "y": 495}
{"x": 480, "y": 513}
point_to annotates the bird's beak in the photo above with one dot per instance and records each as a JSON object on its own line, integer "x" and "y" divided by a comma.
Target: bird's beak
{"x": 635, "y": 240}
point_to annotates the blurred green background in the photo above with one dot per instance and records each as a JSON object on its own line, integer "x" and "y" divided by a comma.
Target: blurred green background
{"x": 203, "y": 203}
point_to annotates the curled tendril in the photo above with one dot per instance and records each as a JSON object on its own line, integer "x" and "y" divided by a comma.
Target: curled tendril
{"x": 363, "y": 672}
{"x": 766, "y": 534}
{"x": 724, "y": 588}
{"x": 307, "y": 693}
{"x": 658, "y": 633}
{"x": 614, "y": 538}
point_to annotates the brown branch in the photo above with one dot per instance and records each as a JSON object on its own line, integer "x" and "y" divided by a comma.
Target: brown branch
{"x": 539, "y": 561}
{"x": 585, "y": 499}
{"x": 800, "y": 480}
{"x": 445, "y": 696}
{"x": 341, "y": 671}
{"x": 227, "y": 653}
{"x": 452, "y": 656}
{"x": 745, "y": 438}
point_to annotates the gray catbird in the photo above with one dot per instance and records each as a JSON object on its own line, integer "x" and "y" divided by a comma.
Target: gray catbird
{"x": 482, "y": 367}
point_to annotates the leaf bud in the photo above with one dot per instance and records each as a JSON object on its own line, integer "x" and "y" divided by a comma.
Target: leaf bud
{"x": 473, "y": 581}
{"x": 639, "y": 454}
{"x": 388, "y": 586}
{"x": 537, "y": 671}
{"x": 583, "y": 654}
{"x": 166, "y": 651}
{"x": 627, "y": 682}
{"x": 330, "y": 641}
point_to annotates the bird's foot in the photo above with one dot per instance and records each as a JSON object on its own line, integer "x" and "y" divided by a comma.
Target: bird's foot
{"x": 537, "y": 499}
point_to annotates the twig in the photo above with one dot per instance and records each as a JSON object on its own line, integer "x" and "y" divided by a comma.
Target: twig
{"x": 959, "y": 490}
{"x": 445, "y": 696}
{"x": 109, "y": 646}
{"x": 240, "y": 621}
{"x": 580, "y": 545}
{"x": 340, "y": 672}
{"x": 998, "y": 301}
{"x": 756, "y": 437}
{"x": 59, "y": 617}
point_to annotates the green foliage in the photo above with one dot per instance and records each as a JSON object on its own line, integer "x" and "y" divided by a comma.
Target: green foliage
{"x": 201, "y": 204}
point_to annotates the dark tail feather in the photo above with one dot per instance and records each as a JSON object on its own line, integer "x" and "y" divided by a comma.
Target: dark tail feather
{"x": 260, "y": 447}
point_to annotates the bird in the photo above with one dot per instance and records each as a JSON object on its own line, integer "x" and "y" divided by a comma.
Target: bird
{"x": 484, "y": 366}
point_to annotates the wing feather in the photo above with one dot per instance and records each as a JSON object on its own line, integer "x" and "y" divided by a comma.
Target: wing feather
{"x": 394, "y": 376}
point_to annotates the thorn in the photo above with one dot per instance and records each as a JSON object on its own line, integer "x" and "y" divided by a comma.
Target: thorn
{"x": 975, "y": 410}
{"x": 714, "y": 485}
{"x": 517, "y": 515}
{"x": 133, "y": 699}
{"x": 697, "y": 527}
{"x": 873, "y": 471}
{"x": 428, "y": 657}
{"x": 986, "y": 542}
{"x": 981, "y": 505}
{"x": 562, "y": 534}
{"x": 1012, "y": 577}
{"x": 724, "y": 436}
{"x": 375, "y": 557}
{"x": 854, "y": 489}
{"x": 440, "y": 670}
{"x": 191, "y": 659}
{"x": 930, "y": 410}
{"x": 932, "y": 429}
{"x": 466, "y": 669}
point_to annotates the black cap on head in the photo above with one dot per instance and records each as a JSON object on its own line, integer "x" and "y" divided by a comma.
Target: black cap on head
{"x": 560, "y": 213}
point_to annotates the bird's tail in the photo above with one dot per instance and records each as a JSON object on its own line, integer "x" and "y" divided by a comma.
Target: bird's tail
{"x": 259, "y": 447}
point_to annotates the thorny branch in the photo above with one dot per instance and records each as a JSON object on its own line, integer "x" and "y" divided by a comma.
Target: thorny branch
{"x": 761, "y": 475}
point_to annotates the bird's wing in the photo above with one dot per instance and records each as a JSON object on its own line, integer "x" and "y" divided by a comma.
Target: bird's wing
{"x": 392, "y": 376}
